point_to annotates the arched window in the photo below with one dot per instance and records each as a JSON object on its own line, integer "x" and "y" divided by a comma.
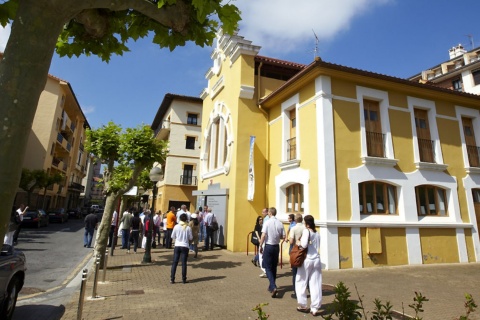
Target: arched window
{"x": 377, "y": 198}
{"x": 431, "y": 200}
{"x": 294, "y": 198}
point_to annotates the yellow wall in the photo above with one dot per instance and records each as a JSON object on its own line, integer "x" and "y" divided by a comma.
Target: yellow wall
{"x": 394, "y": 248}
{"x": 438, "y": 245}
{"x": 345, "y": 248}
{"x": 346, "y": 119}
{"x": 470, "y": 248}
{"x": 401, "y": 128}
{"x": 175, "y": 193}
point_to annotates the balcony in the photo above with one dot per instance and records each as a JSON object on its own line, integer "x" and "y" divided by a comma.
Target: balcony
{"x": 81, "y": 147}
{"x": 188, "y": 180}
{"x": 59, "y": 164}
{"x": 473, "y": 153}
{"x": 291, "y": 149}
{"x": 76, "y": 187}
{"x": 65, "y": 145}
{"x": 426, "y": 149}
{"x": 161, "y": 133}
{"x": 375, "y": 144}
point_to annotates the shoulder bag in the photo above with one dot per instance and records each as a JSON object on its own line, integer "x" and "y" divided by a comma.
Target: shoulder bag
{"x": 298, "y": 254}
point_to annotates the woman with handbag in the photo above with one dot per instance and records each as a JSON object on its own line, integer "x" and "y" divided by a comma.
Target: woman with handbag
{"x": 257, "y": 234}
{"x": 309, "y": 274}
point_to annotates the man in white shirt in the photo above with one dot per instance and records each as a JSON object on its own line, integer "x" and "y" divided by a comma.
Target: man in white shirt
{"x": 272, "y": 233}
{"x": 209, "y": 238}
{"x": 20, "y": 211}
{"x": 294, "y": 236}
{"x": 183, "y": 209}
{"x": 113, "y": 225}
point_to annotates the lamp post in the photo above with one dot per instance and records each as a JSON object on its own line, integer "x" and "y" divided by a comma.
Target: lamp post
{"x": 154, "y": 175}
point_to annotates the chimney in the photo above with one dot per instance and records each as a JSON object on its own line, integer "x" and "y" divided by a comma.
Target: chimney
{"x": 456, "y": 51}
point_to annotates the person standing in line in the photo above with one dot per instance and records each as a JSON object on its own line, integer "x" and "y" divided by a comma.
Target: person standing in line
{"x": 210, "y": 232}
{"x": 164, "y": 227}
{"x": 195, "y": 226}
{"x": 182, "y": 234}
{"x": 272, "y": 233}
{"x": 157, "y": 221}
{"x": 171, "y": 221}
{"x": 126, "y": 226}
{"x": 91, "y": 222}
{"x": 183, "y": 210}
{"x": 265, "y": 215}
{"x": 294, "y": 237}
{"x": 260, "y": 253}
{"x": 201, "y": 216}
{"x": 113, "y": 224}
{"x": 135, "y": 231}
{"x": 309, "y": 274}
{"x": 258, "y": 233}
{"x": 20, "y": 212}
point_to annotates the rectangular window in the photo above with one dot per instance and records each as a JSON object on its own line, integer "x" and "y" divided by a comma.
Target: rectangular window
{"x": 190, "y": 143}
{"x": 476, "y": 77}
{"x": 431, "y": 201}
{"x": 192, "y": 118}
{"x": 294, "y": 194}
{"x": 187, "y": 176}
{"x": 377, "y": 198}
{"x": 457, "y": 85}
{"x": 373, "y": 128}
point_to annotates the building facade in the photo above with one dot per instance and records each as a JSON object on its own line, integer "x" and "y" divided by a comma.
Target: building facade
{"x": 460, "y": 73}
{"x": 56, "y": 145}
{"x": 178, "y": 121}
{"x": 382, "y": 163}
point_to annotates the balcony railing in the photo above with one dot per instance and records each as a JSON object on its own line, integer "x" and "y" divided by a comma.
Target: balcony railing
{"x": 59, "y": 137}
{"x": 375, "y": 144}
{"x": 81, "y": 146}
{"x": 77, "y": 187}
{"x": 427, "y": 150}
{"x": 292, "y": 149}
{"x": 56, "y": 162}
{"x": 188, "y": 180}
{"x": 473, "y": 156}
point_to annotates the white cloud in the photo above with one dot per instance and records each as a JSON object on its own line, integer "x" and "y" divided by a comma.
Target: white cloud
{"x": 285, "y": 25}
{"x": 4, "y": 35}
{"x": 88, "y": 109}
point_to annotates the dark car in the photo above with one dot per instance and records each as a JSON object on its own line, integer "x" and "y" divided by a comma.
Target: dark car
{"x": 12, "y": 277}
{"x": 35, "y": 218}
{"x": 74, "y": 213}
{"x": 57, "y": 215}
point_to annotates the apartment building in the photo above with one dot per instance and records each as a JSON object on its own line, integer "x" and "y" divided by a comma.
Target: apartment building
{"x": 461, "y": 72}
{"x": 380, "y": 162}
{"x": 178, "y": 121}
{"x": 55, "y": 144}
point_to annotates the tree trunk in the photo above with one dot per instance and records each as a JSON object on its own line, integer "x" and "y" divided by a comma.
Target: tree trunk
{"x": 23, "y": 74}
{"x": 104, "y": 227}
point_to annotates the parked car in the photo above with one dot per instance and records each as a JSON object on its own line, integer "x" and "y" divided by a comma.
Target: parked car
{"x": 74, "y": 213}
{"x": 35, "y": 218}
{"x": 12, "y": 278}
{"x": 58, "y": 215}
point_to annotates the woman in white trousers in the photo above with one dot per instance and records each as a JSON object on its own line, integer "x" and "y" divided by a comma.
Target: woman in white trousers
{"x": 310, "y": 272}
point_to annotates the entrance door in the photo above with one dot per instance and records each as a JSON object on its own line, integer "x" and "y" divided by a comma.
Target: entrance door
{"x": 425, "y": 143}
{"x": 472, "y": 150}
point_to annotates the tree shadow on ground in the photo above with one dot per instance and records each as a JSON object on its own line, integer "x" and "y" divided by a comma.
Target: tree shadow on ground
{"x": 26, "y": 311}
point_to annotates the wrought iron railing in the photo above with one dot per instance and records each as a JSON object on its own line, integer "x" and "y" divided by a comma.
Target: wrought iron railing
{"x": 426, "y": 149}
{"x": 473, "y": 153}
{"x": 291, "y": 149}
{"x": 375, "y": 144}
{"x": 188, "y": 180}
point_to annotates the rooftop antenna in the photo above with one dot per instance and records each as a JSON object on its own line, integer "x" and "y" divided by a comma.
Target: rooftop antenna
{"x": 471, "y": 40}
{"x": 315, "y": 51}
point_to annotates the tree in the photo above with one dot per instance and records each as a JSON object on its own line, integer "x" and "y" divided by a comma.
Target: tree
{"x": 126, "y": 154}
{"x": 73, "y": 27}
{"x": 38, "y": 179}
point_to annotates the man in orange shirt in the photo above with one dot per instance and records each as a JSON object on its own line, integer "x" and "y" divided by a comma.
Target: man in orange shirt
{"x": 171, "y": 221}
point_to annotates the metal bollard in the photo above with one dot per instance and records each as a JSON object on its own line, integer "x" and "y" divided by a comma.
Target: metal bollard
{"x": 95, "y": 278}
{"x": 105, "y": 266}
{"x": 82, "y": 294}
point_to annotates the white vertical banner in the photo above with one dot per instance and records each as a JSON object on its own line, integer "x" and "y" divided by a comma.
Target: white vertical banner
{"x": 251, "y": 171}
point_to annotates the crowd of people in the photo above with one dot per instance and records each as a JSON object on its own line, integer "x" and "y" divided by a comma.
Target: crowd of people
{"x": 302, "y": 232}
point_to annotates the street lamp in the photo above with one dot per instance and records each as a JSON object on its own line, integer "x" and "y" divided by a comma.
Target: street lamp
{"x": 155, "y": 175}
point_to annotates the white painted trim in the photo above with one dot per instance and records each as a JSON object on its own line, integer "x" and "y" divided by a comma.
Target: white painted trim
{"x": 470, "y": 182}
{"x": 289, "y": 104}
{"x": 285, "y": 179}
{"x": 340, "y": 98}
{"x": 398, "y": 109}
{"x": 441, "y": 116}
{"x": 289, "y": 164}
{"x": 357, "y": 261}
{"x": 246, "y": 92}
{"x": 329, "y": 248}
{"x": 462, "y": 246}
{"x": 217, "y": 87}
{"x": 414, "y": 249}
{"x": 432, "y": 114}
{"x": 383, "y": 100}
{"x": 475, "y": 116}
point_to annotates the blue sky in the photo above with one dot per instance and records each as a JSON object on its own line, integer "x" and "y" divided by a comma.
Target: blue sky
{"x": 393, "y": 37}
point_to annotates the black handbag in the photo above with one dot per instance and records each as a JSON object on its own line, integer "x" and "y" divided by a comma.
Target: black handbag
{"x": 254, "y": 239}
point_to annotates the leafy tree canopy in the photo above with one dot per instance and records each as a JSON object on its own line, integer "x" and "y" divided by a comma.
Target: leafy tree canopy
{"x": 104, "y": 27}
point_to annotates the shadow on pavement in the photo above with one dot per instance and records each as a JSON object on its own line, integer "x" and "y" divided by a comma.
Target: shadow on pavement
{"x": 28, "y": 312}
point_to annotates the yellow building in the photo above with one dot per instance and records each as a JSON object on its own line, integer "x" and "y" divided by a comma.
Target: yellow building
{"x": 178, "y": 121}
{"x": 55, "y": 144}
{"x": 388, "y": 167}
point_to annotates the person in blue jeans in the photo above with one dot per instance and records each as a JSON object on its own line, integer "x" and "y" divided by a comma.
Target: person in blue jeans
{"x": 136, "y": 227}
{"x": 182, "y": 234}
{"x": 91, "y": 222}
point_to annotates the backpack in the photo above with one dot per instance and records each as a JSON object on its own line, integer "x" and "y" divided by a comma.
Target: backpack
{"x": 214, "y": 224}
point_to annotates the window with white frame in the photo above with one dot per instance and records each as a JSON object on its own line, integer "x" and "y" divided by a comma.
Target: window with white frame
{"x": 294, "y": 198}
{"x": 376, "y": 197}
{"x": 431, "y": 200}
